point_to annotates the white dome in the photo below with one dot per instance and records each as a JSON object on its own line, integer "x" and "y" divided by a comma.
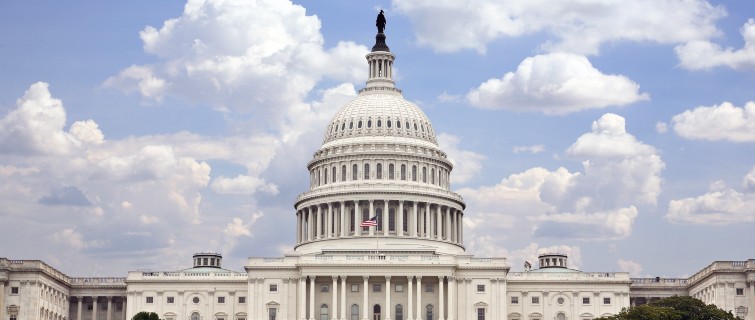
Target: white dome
{"x": 380, "y": 114}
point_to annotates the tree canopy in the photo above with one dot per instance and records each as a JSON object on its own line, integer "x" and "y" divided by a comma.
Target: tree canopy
{"x": 144, "y": 315}
{"x": 673, "y": 308}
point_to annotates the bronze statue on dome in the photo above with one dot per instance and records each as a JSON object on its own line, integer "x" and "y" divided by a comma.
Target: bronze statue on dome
{"x": 380, "y": 22}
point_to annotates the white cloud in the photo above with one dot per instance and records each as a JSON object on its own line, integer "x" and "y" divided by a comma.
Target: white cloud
{"x": 242, "y": 185}
{"x": 702, "y": 55}
{"x": 445, "y": 97}
{"x": 73, "y": 238}
{"x": 718, "y": 122}
{"x": 661, "y": 127}
{"x": 720, "y": 206}
{"x": 554, "y": 84}
{"x": 630, "y": 266}
{"x": 467, "y": 164}
{"x": 237, "y": 228}
{"x": 528, "y": 149}
{"x": 577, "y": 26}
{"x": 141, "y": 79}
{"x": 619, "y": 175}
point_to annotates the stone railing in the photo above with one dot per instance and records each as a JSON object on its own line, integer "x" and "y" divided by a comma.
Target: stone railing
{"x": 174, "y": 275}
{"x": 659, "y": 282}
{"x": 720, "y": 266}
{"x": 34, "y": 265}
{"x": 619, "y": 276}
{"x": 380, "y": 258}
{"x": 382, "y": 187}
{"x": 97, "y": 282}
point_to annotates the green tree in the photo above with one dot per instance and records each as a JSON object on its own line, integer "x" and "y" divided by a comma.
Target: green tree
{"x": 144, "y": 315}
{"x": 673, "y": 308}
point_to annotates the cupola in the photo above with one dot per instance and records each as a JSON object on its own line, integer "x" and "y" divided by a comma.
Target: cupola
{"x": 207, "y": 259}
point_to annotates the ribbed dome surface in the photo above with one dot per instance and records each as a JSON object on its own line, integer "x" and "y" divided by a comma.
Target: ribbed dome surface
{"x": 377, "y": 114}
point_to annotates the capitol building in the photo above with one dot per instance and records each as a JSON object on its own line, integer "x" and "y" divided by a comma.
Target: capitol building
{"x": 379, "y": 235}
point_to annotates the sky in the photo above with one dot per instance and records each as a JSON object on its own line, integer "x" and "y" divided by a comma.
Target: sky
{"x": 136, "y": 133}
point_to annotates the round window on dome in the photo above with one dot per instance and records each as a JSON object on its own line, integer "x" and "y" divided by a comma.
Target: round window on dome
{"x": 560, "y": 300}
{"x": 195, "y": 300}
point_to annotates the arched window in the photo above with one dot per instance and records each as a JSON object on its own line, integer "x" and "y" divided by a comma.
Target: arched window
{"x": 424, "y": 174}
{"x": 407, "y": 125}
{"x": 366, "y": 171}
{"x": 324, "y": 312}
{"x": 351, "y": 125}
{"x": 354, "y": 312}
{"x": 318, "y": 177}
{"x": 390, "y": 171}
{"x": 195, "y": 316}
{"x": 333, "y": 175}
{"x": 336, "y": 127}
{"x": 415, "y": 129}
{"x": 399, "y": 315}
{"x": 414, "y": 173}
{"x": 406, "y": 220}
{"x": 379, "y": 123}
{"x": 365, "y": 216}
{"x": 343, "y": 173}
{"x": 391, "y": 219}
{"x": 379, "y": 169}
{"x": 369, "y": 123}
{"x": 429, "y": 312}
{"x": 432, "y": 176}
{"x": 325, "y": 177}
{"x": 561, "y": 316}
{"x": 359, "y": 124}
{"x": 398, "y": 124}
{"x": 376, "y": 312}
{"x": 389, "y": 123}
{"x": 354, "y": 172}
{"x": 403, "y": 172}
{"x": 343, "y": 126}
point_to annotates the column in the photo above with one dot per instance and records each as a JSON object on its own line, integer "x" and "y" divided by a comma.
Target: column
{"x": 468, "y": 304}
{"x": 328, "y": 221}
{"x": 442, "y": 296}
{"x": 388, "y": 290}
{"x": 318, "y": 226}
{"x": 78, "y": 310}
{"x": 438, "y": 223}
{"x": 409, "y": 309}
{"x": 494, "y": 296}
{"x": 386, "y": 223}
{"x": 461, "y": 227}
{"x": 452, "y": 298}
{"x": 751, "y": 307}
{"x": 310, "y": 224}
{"x": 400, "y": 219}
{"x": 302, "y": 298}
{"x": 344, "y": 225}
{"x": 447, "y": 229}
{"x": 357, "y": 218}
{"x": 2, "y": 297}
{"x": 312, "y": 285}
{"x": 365, "y": 309}
{"x": 285, "y": 304}
{"x": 333, "y": 310}
{"x": 109, "y": 315}
{"x": 428, "y": 221}
{"x": 343, "y": 298}
{"x": 372, "y": 214}
{"x": 414, "y": 223}
{"x": 94, "y": 308}
{"x": 419, "y": 298}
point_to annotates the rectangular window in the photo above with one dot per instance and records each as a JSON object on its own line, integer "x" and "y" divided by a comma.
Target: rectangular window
{"x": 13, "y": 290}
{"x": 273, "y": 288}
{"x": 119, "y": 306}
{"x": 376, "y": 288}
{"x": 171, "y": 299}
{"x": 606, "y": 300}
{"x": 90, "y": 307}
{"x": 480, "y": 288}
{"x": 514, "y": 300}
{"x": 150, "y": 299}
{"x": 429, "y": 288}
{"x": 480, "y": 313}
{"x": 535, "y": 300}
{"x": 585, "y": 300}
{"x": 324, "y": 288}
{"x": 273, "y": 312}
{"x": 242, "y": 299}
{"x": 740, "y": 291}
{"x": 399, "y": 288}
{"x": 13, "y": 317}
{"x": 221, "y": 299}
{"x": 354, "y": 288}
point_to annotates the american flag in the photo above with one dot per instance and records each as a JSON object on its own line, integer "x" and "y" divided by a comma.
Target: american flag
{"x": 371, "y": 222}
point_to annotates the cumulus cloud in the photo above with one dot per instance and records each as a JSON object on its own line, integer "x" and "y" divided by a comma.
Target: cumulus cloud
{"x": 576, "y": 26}
{"x": 467, "y": 164}
{"x": 244, "y": 56}
{"x": 74, "y": 239}
{"x": 702, "y": 55}
{"x": 242, "y": 185}
{"x": 555, "y": 84}
{"x": 633, "y": 268}
{"x": 720, "y": 206}
{"x": 661, "y": 127}
{"x": 719, "y": 122}
{"x": 620, "y": 174}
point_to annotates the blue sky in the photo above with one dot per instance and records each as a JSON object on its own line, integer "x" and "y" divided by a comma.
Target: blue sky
{"x": 133, "y": 134}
